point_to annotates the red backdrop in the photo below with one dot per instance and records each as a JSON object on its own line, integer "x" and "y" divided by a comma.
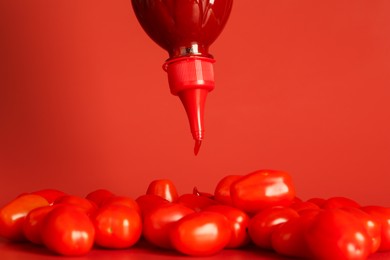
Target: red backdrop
{"x": 301, "y": 86}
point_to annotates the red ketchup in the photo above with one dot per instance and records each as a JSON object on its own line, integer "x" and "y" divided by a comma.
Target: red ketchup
{"x": 186, "y": 29}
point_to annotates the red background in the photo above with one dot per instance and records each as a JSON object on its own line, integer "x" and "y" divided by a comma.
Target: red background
{"x": 301, "y": 86}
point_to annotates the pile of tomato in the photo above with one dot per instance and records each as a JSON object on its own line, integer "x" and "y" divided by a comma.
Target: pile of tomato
{"x": 259, "y": 209}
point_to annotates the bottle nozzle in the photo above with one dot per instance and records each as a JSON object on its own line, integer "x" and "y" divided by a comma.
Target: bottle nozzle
{"x": 192, "y": 78}
{"x": 197, "y": 146}
{"x": 193, "y": 101}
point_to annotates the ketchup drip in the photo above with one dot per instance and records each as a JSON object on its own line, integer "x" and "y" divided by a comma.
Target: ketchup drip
{"x": 186, "y": 29}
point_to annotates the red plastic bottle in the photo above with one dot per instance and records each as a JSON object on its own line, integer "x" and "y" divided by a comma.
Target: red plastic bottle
{"x": 186, "y": 29}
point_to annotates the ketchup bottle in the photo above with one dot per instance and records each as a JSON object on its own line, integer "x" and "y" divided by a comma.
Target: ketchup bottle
{"x": 186, "y": 29}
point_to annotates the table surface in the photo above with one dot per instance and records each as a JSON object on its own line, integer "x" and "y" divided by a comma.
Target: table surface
{"x": 16, "y": 251}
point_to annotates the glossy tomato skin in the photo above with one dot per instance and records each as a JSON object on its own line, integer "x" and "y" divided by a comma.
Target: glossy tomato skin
{"x": 13, "y": 215}
{"x": 32, "y": 226}
{"x": 289, "y": 237}
{"x": 296, "y": 199}
{"x": 382, "y": 216}
{"x": 238, "y": 221}
{"x": 163, "y": 188}
{"x": 117, "y": 226}
{"x": 262, "y": 225}
{"x": 201, "y": 234}
{"x": 157, "y": 223}
{"x": 196, "y": 192}
{"x": 261, "y": 189}
{"x": 339, "y": 202}
{"x": 373, "y": 226}
{"x": 86, "y": 205}
{"x": 303, "y": 205}
{"x": 67, "y": 230}
{"x": 149, "y": 202}
{"x": 99, "y": 196}
{"x": 50, "y": 194}
{"x": 122, "y": 200}
{"x": 337, "y": 234}
{"x": 195, "y": 202}
{"x": 317, "y": 201}
{"x": 222, "y": 190}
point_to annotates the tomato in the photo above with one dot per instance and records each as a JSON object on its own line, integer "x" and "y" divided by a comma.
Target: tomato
{"x": 158, "y": 223}
{"x": 148, "y": 202}
{"x": 372, "y": 226}
{"x": 99, "y": 196}
{"x": 303, "y": 205}
{"x": 337, "y": 234}
{"x": 13, "y": 214}
{"x": 122, "y": 200}
{"x": 262, "y": 225}
{"x": 339, "y": 202}
{"x": 222, "y": 190}
{"x": 288, "y": 238}
{"x": 88, "y": 206}
{"x": 382, "y": 216}
{"x": 201, "y": 234}
{"x": 32, "y": 226}
{"x": 296, "y": 199}
{"x": 195, "y": 202}
{"x": 238, "y": 221}
{"x": 117, "y": 226}
{"x": 163, "y": 188}
{"x": 196, "y": 192}
{"x": 317, "y": 201}
{"x": 261, "y": 189}
{"x": 68, "y": 230}
{"x": 50, "y": 194}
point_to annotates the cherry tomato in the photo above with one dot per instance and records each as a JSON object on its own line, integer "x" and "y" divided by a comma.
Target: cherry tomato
{"x": 163, "y": 188}
{"x": 88, "y": 206}
{"x": 339, "y": 202}
{"x": 158, "y": 223}
{"x": 303, "y": 205}
{"x": 382, "y": 216}
{"x": 196, "y": 192}
{"x": 99, "y": 196}
{"x": 337, "y": 234}
{"x": 372, "y": 226}
{"x": 195, "y": 202}
{"x": 32, "y": 226}
{"x": 148, "y": 202}
{"x": 288, "y": 238}
{"x": 317, "y": 201}
{"x": 13, "y": 214}
{"x": 201, "y": 234}
{"x": 50, "y": 194}
{"x": 67, "y": 230}
{"x": 222, "y": 190}
{"x": 262, "y": 189}
{"x": 262, "y": 225}
{"x": 117, "y": 226}
{"x": 296, "y": 199}
{"x": 238, "y": 221}
{"x": 122, "y": 200}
